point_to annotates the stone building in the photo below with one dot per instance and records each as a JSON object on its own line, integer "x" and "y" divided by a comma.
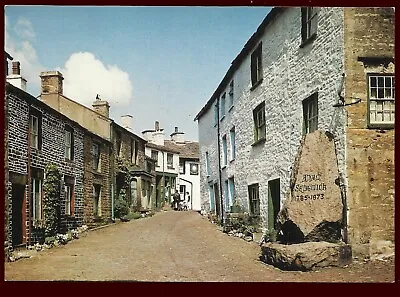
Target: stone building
{"x": 37, "y": 137}
{"x": 133, "y": 173}
{"x": 166, "y": 164}
{"x": 300, "y": 131}
{"x": 189, "y": 172}
{"x": 97, "y": 146}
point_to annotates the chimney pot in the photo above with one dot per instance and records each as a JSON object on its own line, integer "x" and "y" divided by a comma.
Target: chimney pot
{"x": 176, "y": 129}
{"x": 157, "y": 126}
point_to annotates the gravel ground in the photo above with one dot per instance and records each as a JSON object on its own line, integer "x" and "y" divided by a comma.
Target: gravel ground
{"x": 174, "y": 247}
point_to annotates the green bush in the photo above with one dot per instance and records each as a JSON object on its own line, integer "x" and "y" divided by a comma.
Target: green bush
{"x": 121, "y": 208}
{"x": 133, "y": 215}
{"x": 51, "y": 207}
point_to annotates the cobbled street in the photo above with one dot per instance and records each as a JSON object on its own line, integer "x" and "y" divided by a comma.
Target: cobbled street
{"x": 174, "y": 247}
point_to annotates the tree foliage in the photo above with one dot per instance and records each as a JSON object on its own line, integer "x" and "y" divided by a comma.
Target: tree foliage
{"x": 51, "y": 207}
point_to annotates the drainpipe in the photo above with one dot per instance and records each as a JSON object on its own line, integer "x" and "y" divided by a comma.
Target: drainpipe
{"x": 219, "y": 166}
{"x": 163, "y": 182}
{"x": 191, "y": 191}
{"x": 29, "y": 182}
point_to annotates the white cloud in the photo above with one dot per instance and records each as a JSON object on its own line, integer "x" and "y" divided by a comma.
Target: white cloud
{"x": 24, "y": 28}
{"x": 85, "y": 76}
{"x": 22, "y": 50}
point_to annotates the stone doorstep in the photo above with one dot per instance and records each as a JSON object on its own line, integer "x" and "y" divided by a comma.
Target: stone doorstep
{"x": 306, "y": 256}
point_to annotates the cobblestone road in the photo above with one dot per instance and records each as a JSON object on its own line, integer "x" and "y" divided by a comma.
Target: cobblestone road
{"x": 174, "y": 246}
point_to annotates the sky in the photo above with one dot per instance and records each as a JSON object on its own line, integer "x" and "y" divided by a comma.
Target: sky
{"x": 154, "y": 63}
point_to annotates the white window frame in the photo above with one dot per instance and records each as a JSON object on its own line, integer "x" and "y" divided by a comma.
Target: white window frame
{"x": 208, "y": 169}
{"x": 223, "y": 101}
{"x": 224, "y": 151}
{"x": 68, "y": 190}
{"x": 36, "y": 197}
{"x": 254, "y": 199}
{"x": 381, "y": 100}
{"x": 310, "y": 114}
{"x": 232, "y": 136}
{"x": 68, "y": 144}
{"x": 34, "y": 131}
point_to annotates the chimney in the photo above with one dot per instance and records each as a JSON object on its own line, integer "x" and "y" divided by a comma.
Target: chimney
{"x": 126, "y": 121}
{"x": 101, "y": 106}
{"x": 15, "y": 78}
{"x": 52, "y": 82}
{"x": 177, "y": 136}
{"x": 157, "y": 126}
{"x": 16, "y": 68}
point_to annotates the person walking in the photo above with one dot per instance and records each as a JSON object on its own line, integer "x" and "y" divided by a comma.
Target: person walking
{"x": 177, "y": 198}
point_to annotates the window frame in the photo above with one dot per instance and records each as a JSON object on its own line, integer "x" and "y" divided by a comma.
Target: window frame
{"x": 96, "y": 161}
{"x": 224, "y": 151}
{"x": 36, "y": 214}
{"x": 154, "y": 153}
{"x": 380, "y": 125}
{"x": 170, "y": 160}
{"x": 35, "y": 132}
{"x": 254, "y": 199}
{"x": 216, "y": 113}
{"x": 232, "y": 136}
{"x": 309, "y": 24}
{"x": 118, "y": 142}
{"x": 231, "y": 94}
{"x": 69, "y": 156}
{"x": 231, "y": 186}
{"x": 97, "y": 200}
{"x": 258, "y": 126}
{"x": 182, "y": 168}
{"x": 69, "y": 199}
{"x": 208, "y": 169}
{"x": 256, "y": 67}
{"x": 310, "y": 101}
{"x": 223, "y": 106}
{"x": 134, "y": 153}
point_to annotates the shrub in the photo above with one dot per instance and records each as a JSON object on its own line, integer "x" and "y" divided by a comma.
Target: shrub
{"x": 51, "y": 207}
{"x": 121, "y": 208}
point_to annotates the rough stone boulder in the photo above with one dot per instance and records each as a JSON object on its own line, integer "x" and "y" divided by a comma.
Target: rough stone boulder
{"x": 306, "y": 256}
{"x": 313, "y": 209}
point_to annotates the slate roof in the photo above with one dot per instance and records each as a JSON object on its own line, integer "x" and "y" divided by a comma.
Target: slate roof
{"x": 188, "y": 149}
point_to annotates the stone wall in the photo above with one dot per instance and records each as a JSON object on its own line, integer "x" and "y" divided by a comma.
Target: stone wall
{"x": 52, "y": 151}
{"x": 369, "y": 32}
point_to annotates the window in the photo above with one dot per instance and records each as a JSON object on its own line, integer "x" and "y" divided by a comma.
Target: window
{"x": 154, "y": 156}
{"x": 69, "y": 143}
{"x": 69, "y": 195}
{"x": 231, "y": 182}
{"x": 96, "y": 200}
{"x": 181, "y": 167}
{"x": 224, "y": 151}
{"x": 381, "y": 100}
{"x": 259, "y": 122}
{"x": 308, "y": 23}
{"x": 226, "y": 193}
{"x": 208, "y": 164}
{"x": 95, "y": 156}
{"x": 310, "y": 114}
{"x": 254, "y": 199}
{"x": 133, "y": 151}
{"x": 170, "y": 160}
{"x": 216, "y": 114}
{"x": 223, "y": 99}
{"x": 118, "y": 142}
{"x": 36, "y": 198}
{"x": 231, "y": 94}
{"x": 233, "y": 144}
{"x": 35, "y": 127}
{"x": 256, "y": 66}
{"x": 212, "y": 197}
{"x": 194, "y": 169}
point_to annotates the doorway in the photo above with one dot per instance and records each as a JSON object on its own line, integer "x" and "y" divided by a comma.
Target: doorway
{"x": 18, "y": 216}
{"x": 274, "y": 202}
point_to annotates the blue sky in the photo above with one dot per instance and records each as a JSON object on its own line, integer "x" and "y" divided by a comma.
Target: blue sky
{"x": 155, "y": 63}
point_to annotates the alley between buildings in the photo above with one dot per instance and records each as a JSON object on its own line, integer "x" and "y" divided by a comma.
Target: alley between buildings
{"x": 178, "y": 247}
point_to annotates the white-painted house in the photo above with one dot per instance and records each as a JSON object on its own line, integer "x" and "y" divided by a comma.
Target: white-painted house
{"x": 283, "y": 85}
{"x": 189, "y": 168}
{"x": 166, "y": 166}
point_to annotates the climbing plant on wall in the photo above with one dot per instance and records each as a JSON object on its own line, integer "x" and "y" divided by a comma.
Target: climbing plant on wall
{"x": 51, "y": 207}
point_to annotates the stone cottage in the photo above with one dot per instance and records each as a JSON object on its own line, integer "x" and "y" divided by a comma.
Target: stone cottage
{"x": 300, "y": 131}
{"x": 39, "y": 136}
{"x": 97, "y": 146}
